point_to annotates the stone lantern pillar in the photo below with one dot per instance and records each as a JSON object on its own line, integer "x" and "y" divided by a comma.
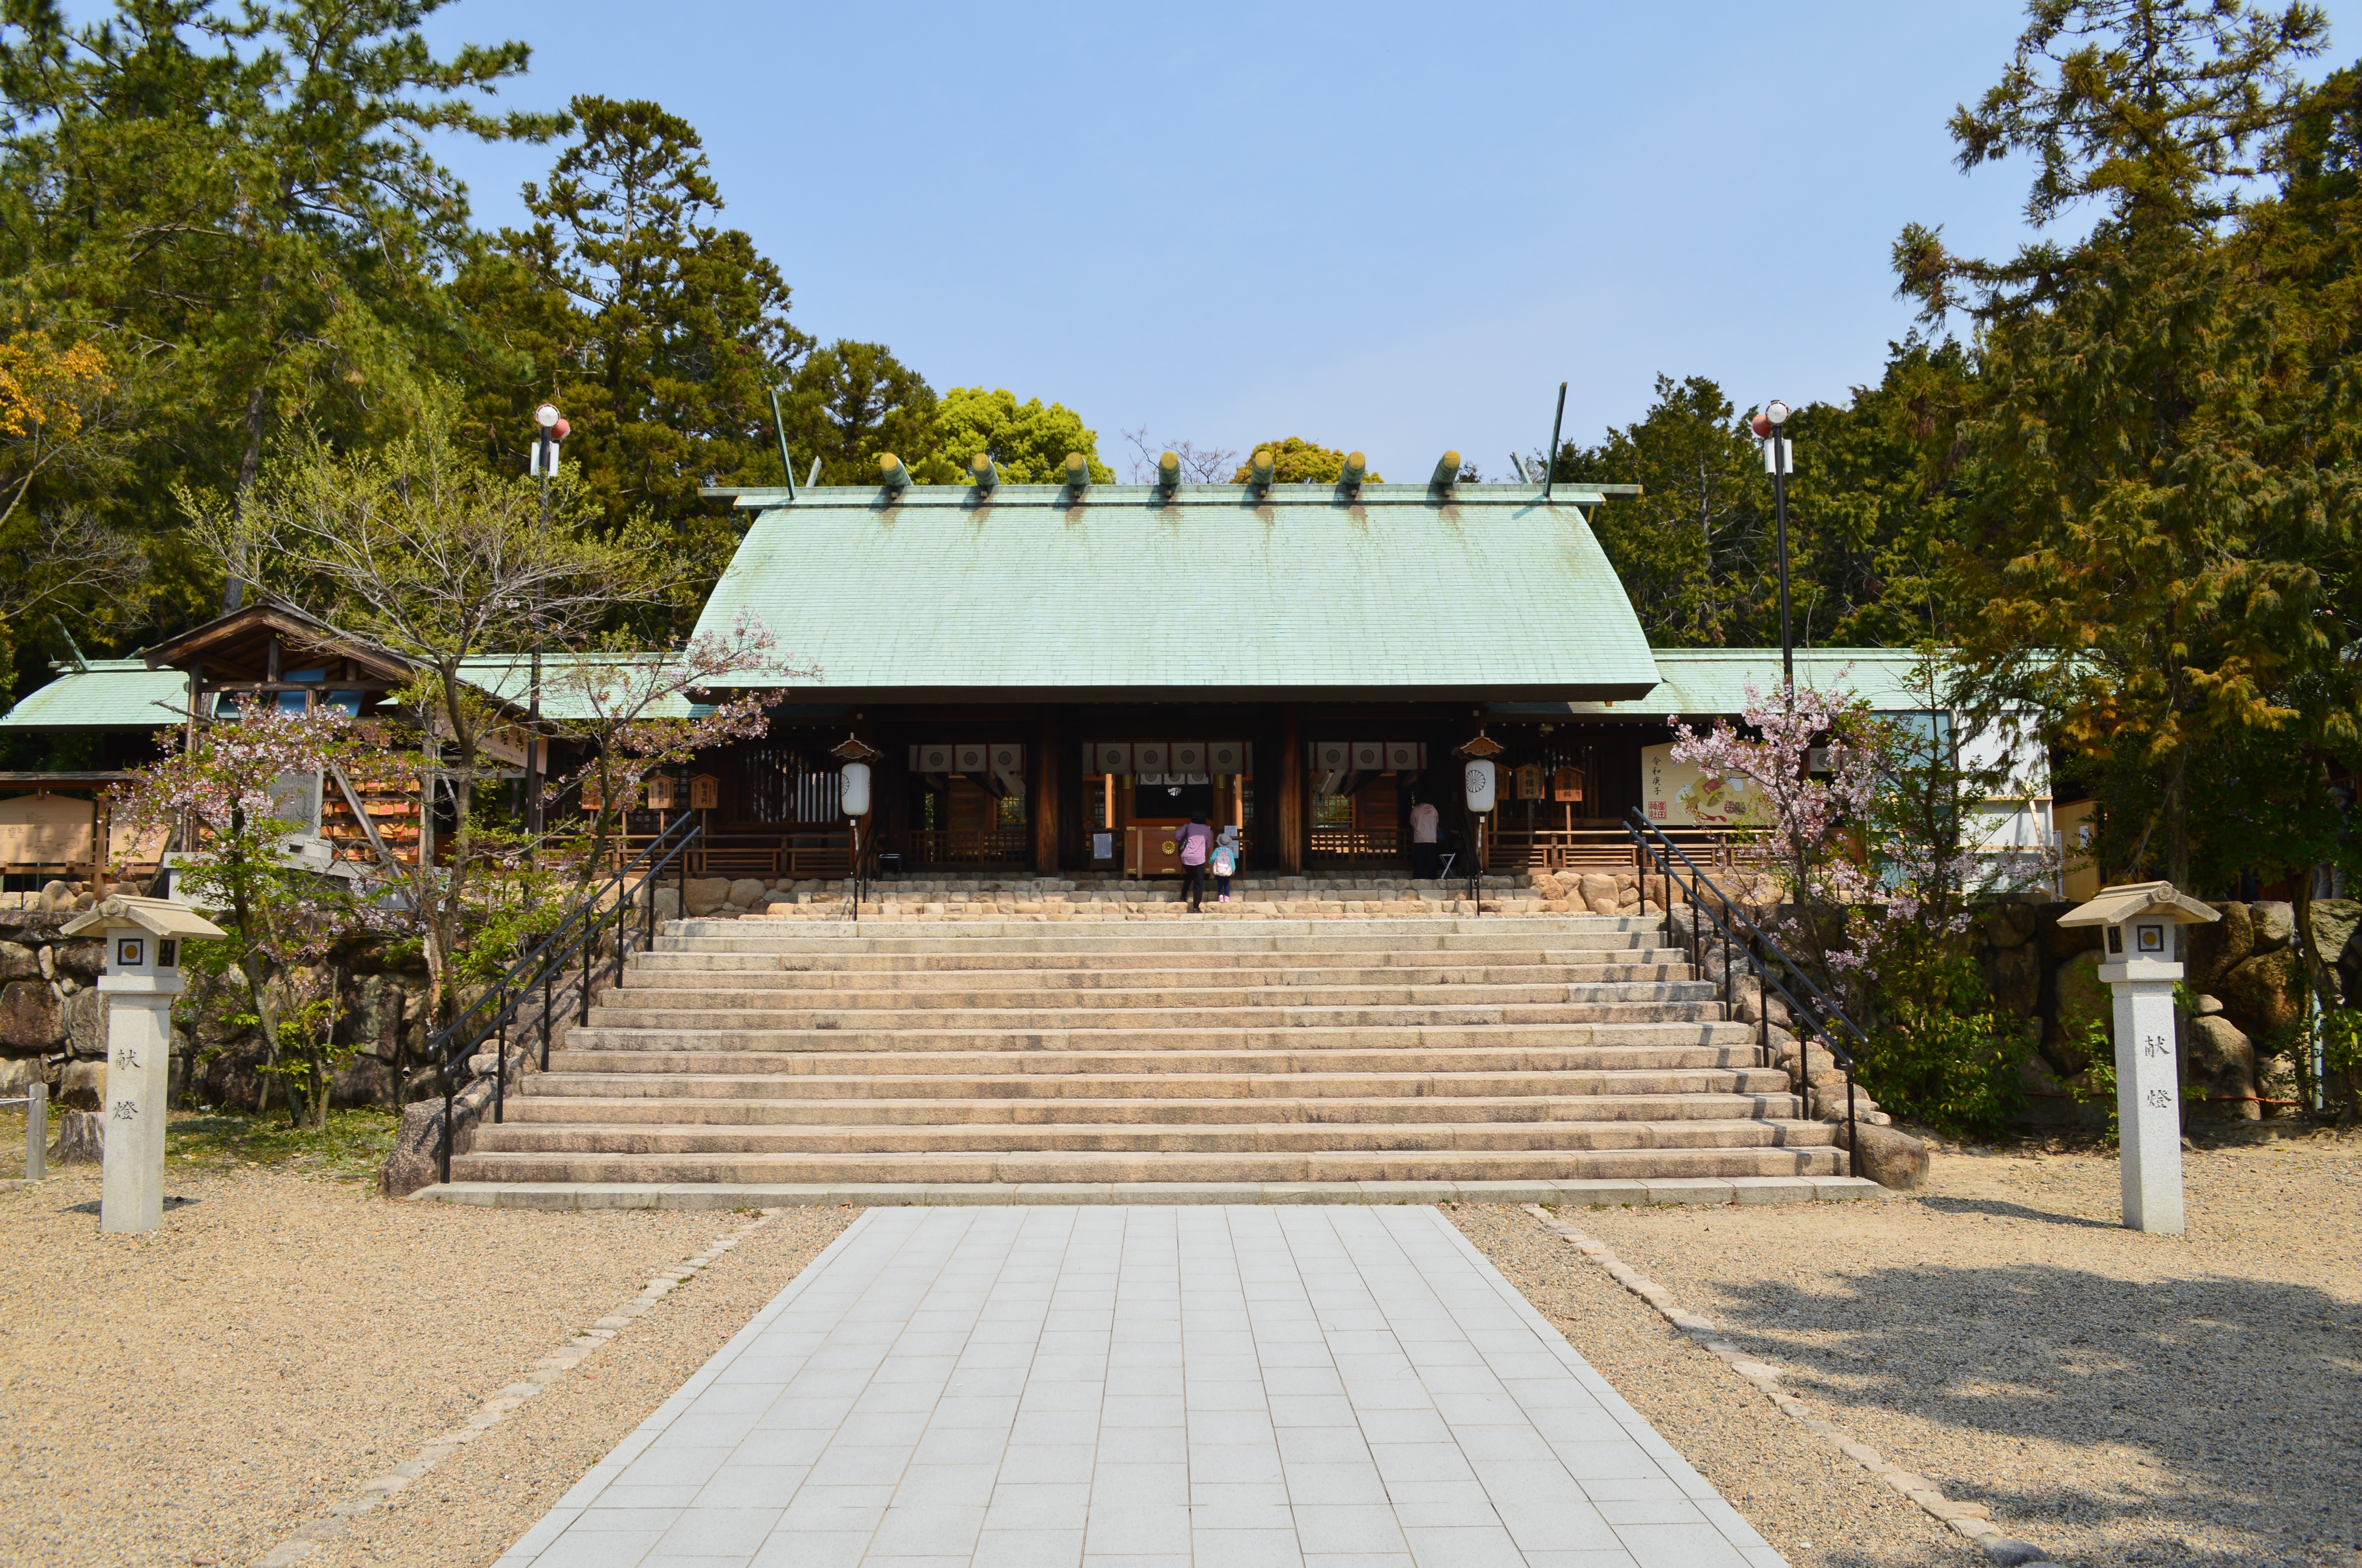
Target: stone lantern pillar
{"x": 141, "y": 975}
{"x": 2139, "y": 967}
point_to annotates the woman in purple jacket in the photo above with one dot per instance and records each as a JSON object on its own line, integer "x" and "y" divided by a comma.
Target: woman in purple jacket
{"x": 1196, "y": 846}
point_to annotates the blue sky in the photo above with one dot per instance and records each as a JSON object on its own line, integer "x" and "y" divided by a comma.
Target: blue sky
{"x": 1373, "y": 225}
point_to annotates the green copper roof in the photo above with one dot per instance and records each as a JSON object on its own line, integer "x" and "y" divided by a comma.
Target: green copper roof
{"x": 509, "y": 676}
{"x": 125, "y": 694}
{"x": 112, "y": 694}
{"x": 1707, "y": 681}
{"x": 1217, "y": 592}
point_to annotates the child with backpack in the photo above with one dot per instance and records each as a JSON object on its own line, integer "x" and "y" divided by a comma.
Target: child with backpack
{"x": 1226, "y": 863}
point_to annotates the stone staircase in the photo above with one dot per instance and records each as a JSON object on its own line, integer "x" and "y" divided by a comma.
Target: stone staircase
{"x": 1339, "y": 1050}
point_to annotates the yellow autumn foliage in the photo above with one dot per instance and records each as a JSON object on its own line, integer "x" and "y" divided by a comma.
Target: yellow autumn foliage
{"x": 44, "y": 389}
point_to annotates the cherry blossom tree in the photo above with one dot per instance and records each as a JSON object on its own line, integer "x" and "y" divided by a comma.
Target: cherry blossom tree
{"x": 231, "y": 794}
{"x": 631, "y": 726}
{"x": 1870, "y": 821}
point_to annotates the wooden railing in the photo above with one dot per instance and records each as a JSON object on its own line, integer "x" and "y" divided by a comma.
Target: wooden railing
{"x": 969, "y": 846}
{"x": 1356, "y": 844}
{"x": 787, "y": 853}
{"x": 1513, "y": 846}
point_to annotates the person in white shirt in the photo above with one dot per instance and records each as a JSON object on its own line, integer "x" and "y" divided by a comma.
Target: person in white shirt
{"x": 1426, "y": 856}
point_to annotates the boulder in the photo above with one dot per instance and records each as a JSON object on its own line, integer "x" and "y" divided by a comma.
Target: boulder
{"x": 2206, "y": 1006}
{"x": 2079, "y": 996}
{"x": 30, "y": 1018}
{"x": 2222, "y": 1061}
{"x": 1888, "y": 1157}
{"x": 2275, "y": 925}
{"x": 82, "y": 1139}
{"x": 364, "y": 1079}
{"x": 707, "y": 894}
{"x": 80, "y": 959}
{"x": 2264, "y": 995}
{"x": 373, "y": 1020}
{"x": 1598, "y": 891}
{"x": 82, "y": 1085}
{"x": 2010, "y": 925}
{"x": 2209, "y": 951}
{"x": 19, "y": 1073}
{"x": 2060, "y": 943}
{"x": 55, "y": 896}
{"x": 2014, "y": 975}
{"x": 747, "y": 892}
{"x": 86, "y": 1024}
{"x": 2048, "y": 1102}
{"x": 19, "y": 962}
{"x": 667, "y": 903}
{"x": 2334, "y": 924}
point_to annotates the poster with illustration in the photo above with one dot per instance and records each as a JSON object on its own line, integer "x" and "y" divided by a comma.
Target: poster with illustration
{"x": 1676, "y": 794}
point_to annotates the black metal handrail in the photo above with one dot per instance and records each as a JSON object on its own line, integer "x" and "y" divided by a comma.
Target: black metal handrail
{"x": 1808, "y": 1004}
{"x": 610, "y": 904}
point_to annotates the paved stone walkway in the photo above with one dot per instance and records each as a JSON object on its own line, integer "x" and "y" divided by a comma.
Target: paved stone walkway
{"x": 1149, "y": 1387}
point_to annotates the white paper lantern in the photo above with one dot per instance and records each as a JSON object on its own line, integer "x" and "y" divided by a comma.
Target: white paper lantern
{"x": 1479, "y": 778}
{"x": 853, "y": 793}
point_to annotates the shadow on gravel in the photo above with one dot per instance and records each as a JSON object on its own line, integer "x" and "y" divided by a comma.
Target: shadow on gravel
{"x": 2241, "y": 1394}
{"x": 2002, "y": 1210}
{"x": 97, "y": 1206}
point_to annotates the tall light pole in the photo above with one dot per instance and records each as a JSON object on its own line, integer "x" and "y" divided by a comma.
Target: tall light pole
{"x": 1776, "y": 458}
{"x": 550, "y": 429}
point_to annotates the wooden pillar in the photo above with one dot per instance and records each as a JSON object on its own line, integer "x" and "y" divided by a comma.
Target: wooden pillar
{"x": 1046, "y": 763}
{"x": 1291, "y": 792}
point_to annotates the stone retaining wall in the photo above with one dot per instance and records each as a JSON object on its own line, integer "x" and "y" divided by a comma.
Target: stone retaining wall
{"x": 2244, "y": 970}
{"x": 53, "y": 1020}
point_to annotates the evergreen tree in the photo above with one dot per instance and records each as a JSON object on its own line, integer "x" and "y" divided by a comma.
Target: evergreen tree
{"x": 1694, "y": 550}
{"x": 852, "y": 403}
{"x": 2148, "y": 496}
{"x": 240, "y": 200}
{"x": 657, "y": 334}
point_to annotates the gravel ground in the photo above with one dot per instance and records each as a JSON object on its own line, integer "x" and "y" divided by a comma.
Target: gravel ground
{"x": 193, "y": 1394}
{"x": 2114, "y": 1398}
{"x": 472, "y": 1507}
{"x": 1810, "y": 1501}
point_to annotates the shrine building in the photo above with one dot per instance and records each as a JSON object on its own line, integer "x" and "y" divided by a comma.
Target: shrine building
{"x": 1054, "y": 676}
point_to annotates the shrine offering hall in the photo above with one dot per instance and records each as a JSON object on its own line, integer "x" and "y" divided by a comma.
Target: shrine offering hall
{"x": 1056, "y": 676}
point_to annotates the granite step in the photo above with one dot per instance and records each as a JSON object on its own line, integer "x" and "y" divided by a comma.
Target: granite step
{"x": 1663, "y": 962}
{"x": 1275, "y": 1078}
{"x": 1316, "y": 1166}
{"x": 540, "y": 1109}
{"x": 1068, "y": 1038}
{"x": 989, "y": 1052}
{"x": 629, "y": 1013}
{"x": 1093, "y": 1137}
{"x": 644, "y": 992}
{"x": 743, "y": 972}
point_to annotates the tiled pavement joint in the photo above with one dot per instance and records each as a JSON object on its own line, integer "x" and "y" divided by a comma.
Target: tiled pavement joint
{"x": 1969, "y": 1518}
{"x": 331, "y": 1525}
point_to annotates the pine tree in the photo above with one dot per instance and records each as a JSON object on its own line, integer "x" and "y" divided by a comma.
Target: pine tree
{"x": 657, "y": 333}
{"x": 2144, "y": 512}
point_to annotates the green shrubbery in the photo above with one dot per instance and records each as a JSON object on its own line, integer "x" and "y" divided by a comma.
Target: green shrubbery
{"x": 1940, "y": 1052}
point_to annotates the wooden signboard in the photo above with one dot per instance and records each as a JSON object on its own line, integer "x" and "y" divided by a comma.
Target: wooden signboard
{"x": 47, "y": 830}
{"x": 1568, "y": 785}
{"x": 1529, "y": 781}
{"x": 661, "y": 793}
{"x": 704, "y": 792}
